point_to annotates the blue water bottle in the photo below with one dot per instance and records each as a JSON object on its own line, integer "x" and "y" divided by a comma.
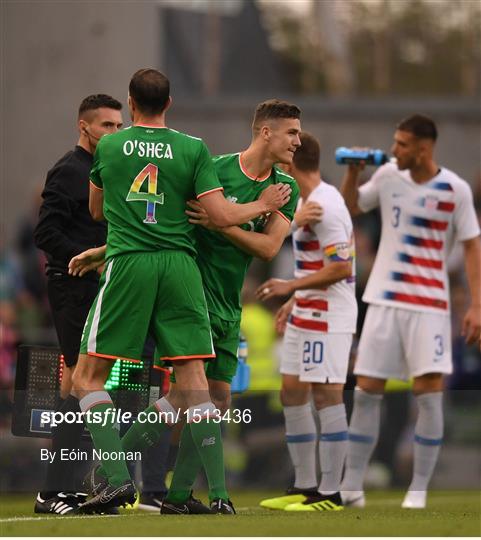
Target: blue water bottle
{"x": 241, "y": 380}
{"x": 371, "y": 156}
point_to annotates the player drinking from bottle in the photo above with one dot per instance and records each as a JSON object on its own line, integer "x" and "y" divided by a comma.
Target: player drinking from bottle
{"x": 425, "y": 209}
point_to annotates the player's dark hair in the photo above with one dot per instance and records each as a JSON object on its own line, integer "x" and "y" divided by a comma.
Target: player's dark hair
{"x": 420, "y": 126}
{"x": 307, "y": 157}
{"x": 97, "y": 101}
{"x": 273, "y": 109}
{"x": 150, "y": 89}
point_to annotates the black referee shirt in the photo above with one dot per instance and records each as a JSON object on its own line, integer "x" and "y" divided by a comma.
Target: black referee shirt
{"x": 65, "y": 227}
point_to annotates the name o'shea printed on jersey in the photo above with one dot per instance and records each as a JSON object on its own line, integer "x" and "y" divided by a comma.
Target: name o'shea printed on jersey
{"x": 148, "y": 174}
{"x": 147, "y": 149}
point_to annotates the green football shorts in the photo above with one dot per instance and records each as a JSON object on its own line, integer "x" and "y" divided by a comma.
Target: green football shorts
{"x": 226, "y": 342}
{"x": 161, "y": 291}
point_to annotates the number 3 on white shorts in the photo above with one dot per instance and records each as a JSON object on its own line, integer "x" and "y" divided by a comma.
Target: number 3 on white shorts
{"x": 439, "y": 346}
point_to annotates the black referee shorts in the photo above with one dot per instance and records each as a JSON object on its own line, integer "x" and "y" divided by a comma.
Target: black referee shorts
{"x": 70, "y": 300}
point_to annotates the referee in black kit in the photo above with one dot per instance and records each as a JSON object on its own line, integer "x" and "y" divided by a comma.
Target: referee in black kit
{"x": 66, "y": 228}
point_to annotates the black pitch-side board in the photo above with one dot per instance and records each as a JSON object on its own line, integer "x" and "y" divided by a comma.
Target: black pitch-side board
{"x": 132, "y": 387}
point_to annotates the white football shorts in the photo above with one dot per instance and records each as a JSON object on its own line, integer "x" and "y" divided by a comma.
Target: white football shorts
{"x": 315, "y": 357}
{"x": 400, "y": 343}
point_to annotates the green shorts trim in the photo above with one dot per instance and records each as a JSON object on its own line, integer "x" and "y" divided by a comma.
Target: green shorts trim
{"x": 226, "y": 342}
{"x": 161, "y": 291}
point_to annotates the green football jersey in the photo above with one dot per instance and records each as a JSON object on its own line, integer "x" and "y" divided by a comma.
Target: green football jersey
{"x": 223, "y": 265}
{"x": 147, "y": 174}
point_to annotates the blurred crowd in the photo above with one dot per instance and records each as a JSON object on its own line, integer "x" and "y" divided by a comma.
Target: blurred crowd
{"x": 25, "y": 318}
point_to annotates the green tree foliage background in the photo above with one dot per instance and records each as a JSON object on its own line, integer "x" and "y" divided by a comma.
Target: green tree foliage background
{"x": 395, "y": 47}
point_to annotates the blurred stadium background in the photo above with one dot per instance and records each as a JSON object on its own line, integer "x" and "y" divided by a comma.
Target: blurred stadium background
{"x": 356, "y": 67}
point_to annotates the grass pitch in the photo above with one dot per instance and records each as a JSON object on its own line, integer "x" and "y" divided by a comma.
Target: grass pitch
{"x": 450, "y": 513}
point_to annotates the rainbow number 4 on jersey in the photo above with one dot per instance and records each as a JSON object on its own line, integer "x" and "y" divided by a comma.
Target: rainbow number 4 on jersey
{"x": 152, "y": 198}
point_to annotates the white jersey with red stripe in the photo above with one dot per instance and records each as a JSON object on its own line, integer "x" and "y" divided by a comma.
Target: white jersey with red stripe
{"x": 420, "y": 223}
{"x": 333, "y": 309}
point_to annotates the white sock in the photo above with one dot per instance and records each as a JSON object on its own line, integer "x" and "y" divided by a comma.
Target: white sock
{"x": 332, "y": 447}
{"x": 427, "y": 439}
{"x": 167, "y": 413}
{"x": 94, "y": 398}
{"x": 363, "y": 437}
{"x": 301, "y": 441}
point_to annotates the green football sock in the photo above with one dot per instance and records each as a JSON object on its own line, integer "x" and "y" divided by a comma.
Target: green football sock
{"x": 187, "y": 466}
{"x": 106, "y": 437}
{"x": 142, "y": 435}
{"x": 208, "y": 441}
